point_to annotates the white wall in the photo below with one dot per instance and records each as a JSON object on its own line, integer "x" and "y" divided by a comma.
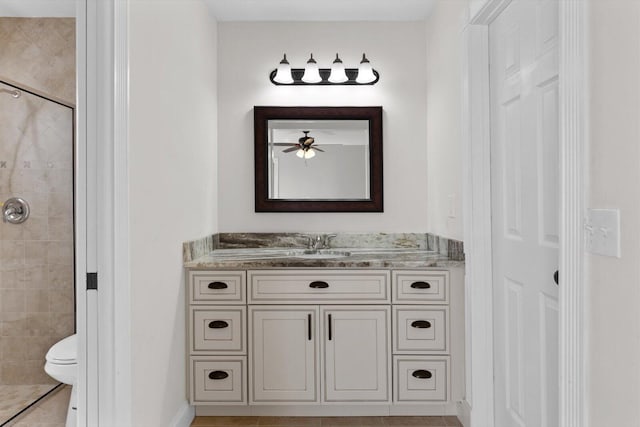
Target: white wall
{"x": 172, "y": 188}
{"x": 444, "y": 115}
{"x": 247, "y": 52}
{"x": 614, "y": 284}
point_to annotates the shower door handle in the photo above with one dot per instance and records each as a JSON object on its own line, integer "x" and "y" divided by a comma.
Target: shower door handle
{"x": 15, "y": 210}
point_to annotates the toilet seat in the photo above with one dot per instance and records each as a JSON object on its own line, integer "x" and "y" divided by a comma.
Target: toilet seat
{"x": 64, "y": 352}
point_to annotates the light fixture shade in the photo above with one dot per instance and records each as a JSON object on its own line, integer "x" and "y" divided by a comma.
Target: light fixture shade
{"x": 283, "y": 73}
{"x": 306, "y": 154}
{"x": 311, "y": 72}
{"x": 365, "y": 71}
{"x": 337, "y": 71}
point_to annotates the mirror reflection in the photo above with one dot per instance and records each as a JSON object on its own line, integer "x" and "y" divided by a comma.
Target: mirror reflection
{"x": 318, "y": 159}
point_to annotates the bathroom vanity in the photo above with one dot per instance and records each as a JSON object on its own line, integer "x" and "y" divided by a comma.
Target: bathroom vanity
{"x": 354, "y": 331}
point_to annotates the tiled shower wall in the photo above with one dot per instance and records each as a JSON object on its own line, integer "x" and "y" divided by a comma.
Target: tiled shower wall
{"x": 36, "y": 161}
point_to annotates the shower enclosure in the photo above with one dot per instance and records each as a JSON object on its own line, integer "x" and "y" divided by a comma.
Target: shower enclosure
{"x": 37, "y": 306}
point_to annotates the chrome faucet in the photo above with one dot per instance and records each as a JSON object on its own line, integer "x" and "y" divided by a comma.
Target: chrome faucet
{"x": 320, "y": 241}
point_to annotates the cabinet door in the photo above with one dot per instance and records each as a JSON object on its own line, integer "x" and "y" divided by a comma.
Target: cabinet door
{"x": 283, "y": 354}
{"x": 357, "y": 363}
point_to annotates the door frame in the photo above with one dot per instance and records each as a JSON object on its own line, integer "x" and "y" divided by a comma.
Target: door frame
{"x": 478, "y": 407}
{"x": 102, "y": 219}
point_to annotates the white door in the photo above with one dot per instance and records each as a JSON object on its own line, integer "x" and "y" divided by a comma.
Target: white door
{"x": 283, "y": 354}
{"x": 356, "y": 353}
{"x": 525, "y": 212}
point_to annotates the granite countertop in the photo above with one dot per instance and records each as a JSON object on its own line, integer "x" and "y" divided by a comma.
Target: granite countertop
{"x": 288, "y": 257}
{"x": 284, "y": 250}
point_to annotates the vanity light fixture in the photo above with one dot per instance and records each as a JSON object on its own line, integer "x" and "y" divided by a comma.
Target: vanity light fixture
{"x": 283, "y": 73}
{"x": 337, "y": 71}
{"x": 365, "y": 71}
{"x": 311, "y": 72}
{"x": 313, "y": 75}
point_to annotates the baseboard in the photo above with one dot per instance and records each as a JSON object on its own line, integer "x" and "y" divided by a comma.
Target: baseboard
{"x": 464, "y": 413}
{"x": 328, "y": 410}
{"x": 185, "y": 415}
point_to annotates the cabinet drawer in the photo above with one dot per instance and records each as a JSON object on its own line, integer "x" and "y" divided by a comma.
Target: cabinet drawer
{"x": 217, "y": 287}
{"x": 420, "y": 328}
{"x": 218, "y": 380}
{"x": 421, "y": 287}
{"x": 322, "y": 286}
{"x": 421, "y": 379}
{"x": 218, "y": 329}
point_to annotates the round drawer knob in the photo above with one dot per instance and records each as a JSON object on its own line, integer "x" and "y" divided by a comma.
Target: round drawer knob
{"x": 421, "y": 324}
{"x": 218, "y": 375}
{"x": 421, "y": 285}
{"x": 217, "y": 285}
{"x": 218, "y": 324}
{"x": 422, "y": 374}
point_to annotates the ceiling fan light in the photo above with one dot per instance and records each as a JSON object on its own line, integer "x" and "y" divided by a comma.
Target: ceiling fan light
{"x": 311, "y": 72}
{"x": 365, "y": 71}
{"x": 338, "y": 74}
{"x": 309, "y": 153}
{"x": 283, "y": 73}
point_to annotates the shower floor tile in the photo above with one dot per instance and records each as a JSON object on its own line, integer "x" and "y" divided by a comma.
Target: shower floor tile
{"x": 15, "y": 398}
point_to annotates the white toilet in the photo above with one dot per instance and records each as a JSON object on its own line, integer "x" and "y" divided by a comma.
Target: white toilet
{"x": 62, "y": 365}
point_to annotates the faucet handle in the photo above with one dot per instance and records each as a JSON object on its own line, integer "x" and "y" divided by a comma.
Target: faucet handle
{"x": 327, "y": 240}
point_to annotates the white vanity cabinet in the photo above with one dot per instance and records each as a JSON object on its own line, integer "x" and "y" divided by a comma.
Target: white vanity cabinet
{"x": 295, "y": 359}
{"x": 421, "y": 361}
{"x": 217, "y": 337}
{"x": 375, "y": 341}
{"x": 356, "y": 355}
{"x": 284, "y": 351}
{"x": 311, "y": 352}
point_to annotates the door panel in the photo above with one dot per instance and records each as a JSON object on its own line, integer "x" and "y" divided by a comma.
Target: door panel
{"x": 283, "y": 354}
{"x": 523, "y": 43}
{"x": 356, "y": 353}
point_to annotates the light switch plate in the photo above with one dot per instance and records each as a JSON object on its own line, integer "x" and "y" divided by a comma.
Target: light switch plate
{"x": 452, "y": 205}
{"x": 602, "y": 232}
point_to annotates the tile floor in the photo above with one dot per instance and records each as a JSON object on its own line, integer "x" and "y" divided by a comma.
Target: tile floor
{"x": 14, "y": 398}
{"x": 50, "y": 412}
{"x": 326, "y": 421}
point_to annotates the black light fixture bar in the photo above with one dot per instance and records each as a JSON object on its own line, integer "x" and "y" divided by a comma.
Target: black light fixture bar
{"x": 297, "y": 73}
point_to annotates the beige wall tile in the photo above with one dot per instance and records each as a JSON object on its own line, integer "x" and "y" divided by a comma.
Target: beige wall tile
{"x": 36, "y": 278}
{"x": 61, "y": 301}
{"x": 40, "y": 53}
{"x": 12, "y": 279}
{"x": 60, "y": 204}
{"x": 60, "y": 277}
{"x": 36, "y": 228}
{"x": 35, "y": 254}
{"x": 13, "y": 324}
{"x": 36, "y": 160}
{"x": 60, "y": 228}
{"x": 12, "y": 300}
{"x": 12, "y": 349}
{"x": 37, "y": 301}
{"x": 12, "y": 254}
{"x": 60, "y": 253}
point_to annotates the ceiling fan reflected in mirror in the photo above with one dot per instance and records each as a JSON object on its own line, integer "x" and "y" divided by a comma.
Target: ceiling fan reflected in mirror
{"x": 303, "y": 147}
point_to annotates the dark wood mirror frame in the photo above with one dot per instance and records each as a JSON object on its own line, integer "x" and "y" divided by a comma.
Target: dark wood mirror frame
{"x": 261, "y": 117}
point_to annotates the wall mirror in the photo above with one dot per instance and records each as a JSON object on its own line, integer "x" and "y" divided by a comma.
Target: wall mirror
{"x": 318, "y": 159}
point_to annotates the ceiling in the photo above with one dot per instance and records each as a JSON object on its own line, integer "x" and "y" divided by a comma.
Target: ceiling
{"x": 38, "y": 8}
{"x": 258, "y": 10}
{"x": 320, "y": 10}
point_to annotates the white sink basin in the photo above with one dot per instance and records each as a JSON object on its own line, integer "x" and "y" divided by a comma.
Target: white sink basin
{"x": 320, "y": 254}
